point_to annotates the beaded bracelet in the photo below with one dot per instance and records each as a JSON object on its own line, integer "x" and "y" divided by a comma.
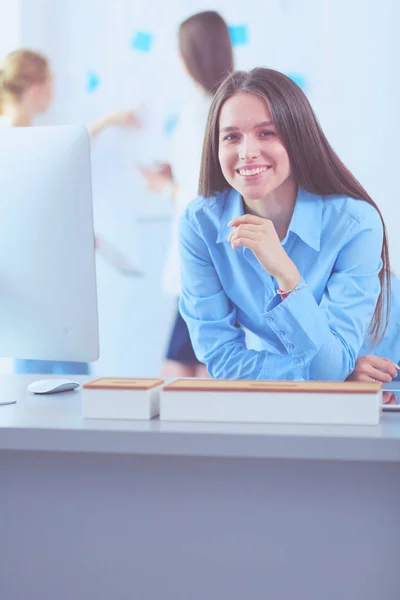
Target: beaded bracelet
{"x": 285, "y": 293}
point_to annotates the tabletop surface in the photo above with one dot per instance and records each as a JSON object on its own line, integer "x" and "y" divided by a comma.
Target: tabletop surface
{"x": 55, "y": 423}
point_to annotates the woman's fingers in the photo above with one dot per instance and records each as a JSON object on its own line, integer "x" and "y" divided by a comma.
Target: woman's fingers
{"x": 383, "y": 364}
{"x": 364, "y": 371}
{"x": 238, "y": 231}
{"x": 251, "y": 235}
{"x": 247, "y": 219}
{"x": 364, "y": 377}
{"x": 246, "y": 242}
{"x": 389, "y": 398}
{"x": 371, "y": 367}
{"x": 377, "y": 374}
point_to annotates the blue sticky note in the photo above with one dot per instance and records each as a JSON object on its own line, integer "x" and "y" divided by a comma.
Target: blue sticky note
{"x": 92, "y": 81}
{"x": 142, "y": 40}
{"x": 298, "y": 79}
{"x": 170, "y": 124}
{"x": 239, "y": 35}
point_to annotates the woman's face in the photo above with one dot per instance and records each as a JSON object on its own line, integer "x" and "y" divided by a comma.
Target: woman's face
{"x": 253, "y": 159}
{"x": 43, "y": 93}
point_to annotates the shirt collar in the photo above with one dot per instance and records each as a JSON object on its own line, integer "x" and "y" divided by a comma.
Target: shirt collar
{"x": 233, "y": 207}
{"x": 307, "y": 217}
{"x": 305, "y": 222}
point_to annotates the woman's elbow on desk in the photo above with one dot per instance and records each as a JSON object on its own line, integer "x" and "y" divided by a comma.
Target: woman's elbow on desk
{"x": 332, "y": 365}
{"x": 234, "y": 361}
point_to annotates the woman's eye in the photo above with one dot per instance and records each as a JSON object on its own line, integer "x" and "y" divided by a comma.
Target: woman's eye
{"x": 266, "y": 133}
{"x": 230, "y": 137}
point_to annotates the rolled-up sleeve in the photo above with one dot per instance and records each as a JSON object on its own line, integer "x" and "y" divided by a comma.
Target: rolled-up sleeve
{"x": 321, "y": 340}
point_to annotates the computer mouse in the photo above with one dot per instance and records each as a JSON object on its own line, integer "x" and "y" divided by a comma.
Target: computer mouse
{"x": 52, "y": 386}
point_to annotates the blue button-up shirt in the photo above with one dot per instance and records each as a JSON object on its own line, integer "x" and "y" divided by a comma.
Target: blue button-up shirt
{"x": 315, "y": 333}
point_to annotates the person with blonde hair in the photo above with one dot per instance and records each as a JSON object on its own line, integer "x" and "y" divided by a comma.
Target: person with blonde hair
{"x": 26, "y": 91}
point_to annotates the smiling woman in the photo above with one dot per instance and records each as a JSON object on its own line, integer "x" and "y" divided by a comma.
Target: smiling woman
{"x": 282, "y": 240}
{"x": 254, "y": 160}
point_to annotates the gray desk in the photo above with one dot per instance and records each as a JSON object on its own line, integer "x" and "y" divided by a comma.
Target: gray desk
{"x": 150, "y": 510}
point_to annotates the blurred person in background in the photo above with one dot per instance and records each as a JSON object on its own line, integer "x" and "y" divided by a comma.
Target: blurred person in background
{"x": 26, "y": 91}
{"x": 206, "y": 51}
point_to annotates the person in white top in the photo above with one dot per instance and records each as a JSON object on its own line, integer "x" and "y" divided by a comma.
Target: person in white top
{"x": 206, "y": 51}
{"x": 26, "y": 90}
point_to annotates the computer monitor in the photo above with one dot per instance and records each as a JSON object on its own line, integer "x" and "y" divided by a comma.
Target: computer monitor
{"x": 48, "y": 295}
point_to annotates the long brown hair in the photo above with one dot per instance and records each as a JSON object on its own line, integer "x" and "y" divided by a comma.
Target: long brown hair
{"x": 315, "y": 166}
{"x": 206, "y": 48}
{"x": 20, "y": 70}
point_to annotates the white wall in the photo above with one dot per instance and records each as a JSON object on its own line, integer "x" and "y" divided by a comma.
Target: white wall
{"x": 346, "y": 51}
{"x": 359, "y": 99}
{"x": 10, "y": 38}
{"x": 10, "y": 26}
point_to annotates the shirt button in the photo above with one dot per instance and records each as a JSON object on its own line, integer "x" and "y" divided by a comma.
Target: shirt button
{"x": 270, "y": 319}
{"x": 290, "y": 346}
{"x": 282, "y": 333}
